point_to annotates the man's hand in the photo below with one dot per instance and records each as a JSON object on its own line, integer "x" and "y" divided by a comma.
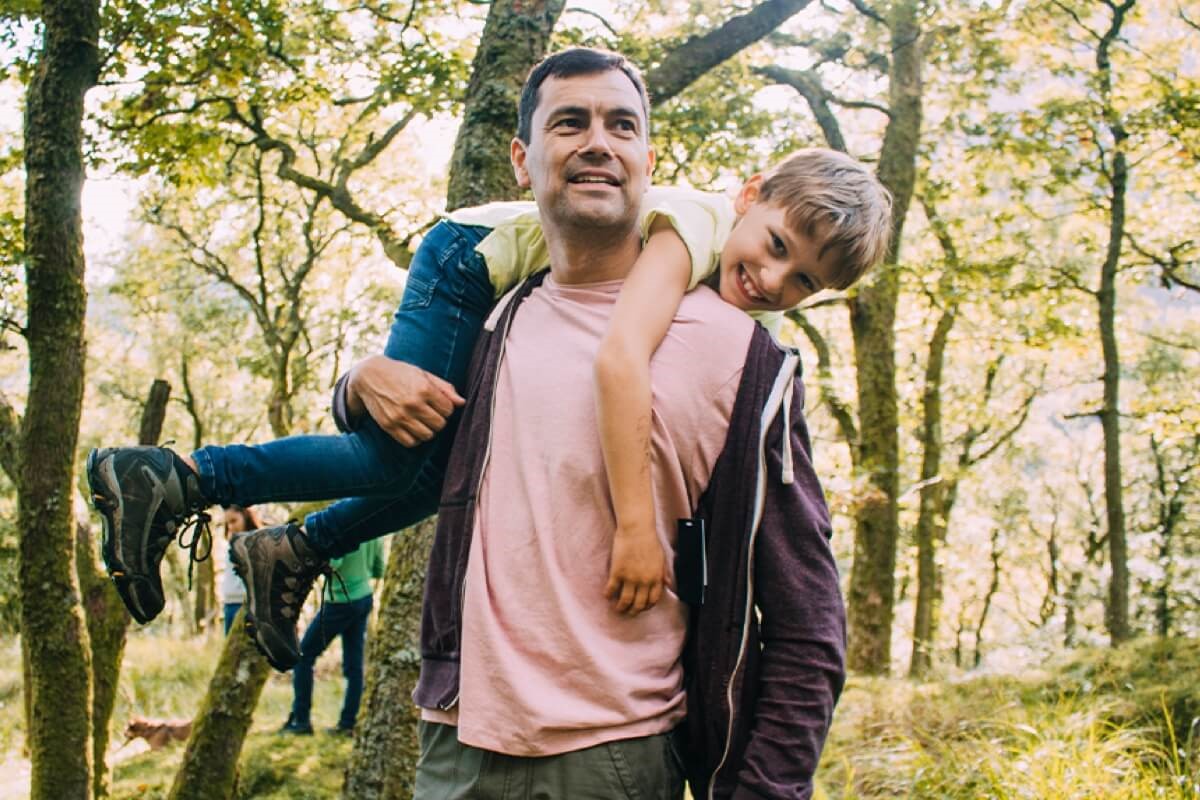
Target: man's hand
{"x": 406, "y": 401}
{"x": 635, "y": 579}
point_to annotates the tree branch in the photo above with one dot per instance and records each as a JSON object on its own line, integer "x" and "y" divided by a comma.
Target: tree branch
{"x": 10, "y": 439}
{"x": 699, "y": 54}
{"x": 841, "y": 412}
{"x": 808, "y": 84}
{"x": 868, "y": 12}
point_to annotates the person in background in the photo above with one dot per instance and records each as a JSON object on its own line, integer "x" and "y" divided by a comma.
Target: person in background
{"x": 346, "y": 609}
{"x": 231, "y": 591}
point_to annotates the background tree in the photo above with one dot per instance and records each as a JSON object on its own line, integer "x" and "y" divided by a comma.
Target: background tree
{"x": 58, "y": 679}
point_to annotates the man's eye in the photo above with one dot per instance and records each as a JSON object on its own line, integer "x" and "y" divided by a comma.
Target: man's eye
{"x": 568, "y": 122}
{"x": 627, "y": 125}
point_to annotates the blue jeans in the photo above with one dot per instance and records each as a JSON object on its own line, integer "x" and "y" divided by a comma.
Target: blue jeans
{"x": 231, "y": 610}
{"x": 446, "y": 300}
{"x": 349, "y": 621}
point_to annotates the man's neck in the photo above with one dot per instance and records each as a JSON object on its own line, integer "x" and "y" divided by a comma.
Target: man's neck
{"x": 591, "y": 256}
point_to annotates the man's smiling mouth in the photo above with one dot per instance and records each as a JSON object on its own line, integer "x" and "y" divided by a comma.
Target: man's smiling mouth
{"x": 599, "y": 179}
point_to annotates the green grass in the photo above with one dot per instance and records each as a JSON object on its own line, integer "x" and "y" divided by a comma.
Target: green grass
{"x": 1105, "y": 724}
{"x": 1100, "y": 725}
{"x": 165, "y": 678}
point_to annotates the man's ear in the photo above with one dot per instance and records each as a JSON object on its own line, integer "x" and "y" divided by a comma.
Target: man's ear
{"x": 517, "y": 154}
{"x": 651, "y": 160}
{"x": 748, "y": 194}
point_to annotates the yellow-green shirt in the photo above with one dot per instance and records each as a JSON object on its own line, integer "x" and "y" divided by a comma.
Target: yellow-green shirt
{"x": 516, "y": 248}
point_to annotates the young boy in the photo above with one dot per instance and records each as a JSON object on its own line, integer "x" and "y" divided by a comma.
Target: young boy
{"x": 817, "y": 220}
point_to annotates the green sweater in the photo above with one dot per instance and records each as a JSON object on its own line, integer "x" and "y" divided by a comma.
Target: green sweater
{"x": 356, "y": 570}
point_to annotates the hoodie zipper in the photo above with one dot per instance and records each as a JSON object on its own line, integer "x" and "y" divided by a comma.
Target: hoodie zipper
{"x": 775, "y": 400}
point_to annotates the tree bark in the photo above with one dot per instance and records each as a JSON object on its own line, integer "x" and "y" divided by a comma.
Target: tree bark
{"x": 209, "y": 767}
{"x": 52, "y": 624}
{"x": 384, "y": 759}
{"x": 514, "y": 38}
{"x": 107, "y": 619}
{"x": 872, "y": 319}
{"x": 993, "y": 587}
{"x": 1117, "y": 612}
{"x": 933, "y": 490}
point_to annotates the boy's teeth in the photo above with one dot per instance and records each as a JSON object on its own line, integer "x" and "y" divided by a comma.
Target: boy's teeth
{"x": 747, "y": 287}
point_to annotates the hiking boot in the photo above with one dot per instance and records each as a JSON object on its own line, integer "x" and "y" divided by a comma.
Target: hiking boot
{"x": 278, "y": 566}
{"x": 338, "y": 730}
{"x": 294, "y": 728}
{"x": 145, "y": 496}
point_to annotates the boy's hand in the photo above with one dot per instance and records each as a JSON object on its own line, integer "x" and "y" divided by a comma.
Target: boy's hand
{"x": 635, "y": 579}
{"x": 410, "y": 404}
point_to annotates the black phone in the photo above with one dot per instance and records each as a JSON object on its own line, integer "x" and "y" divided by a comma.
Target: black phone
{"x": 691, "y": 561}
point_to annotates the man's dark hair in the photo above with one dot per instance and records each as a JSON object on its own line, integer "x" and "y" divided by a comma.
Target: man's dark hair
{"x": 569, "y": 64}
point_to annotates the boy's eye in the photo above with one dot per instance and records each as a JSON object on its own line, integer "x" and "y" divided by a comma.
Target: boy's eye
{"x": 806, "y": 282}
{"x": 778, "y": 246}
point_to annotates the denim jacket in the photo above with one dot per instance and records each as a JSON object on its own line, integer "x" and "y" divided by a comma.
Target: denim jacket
{"x": 764, "y": 657}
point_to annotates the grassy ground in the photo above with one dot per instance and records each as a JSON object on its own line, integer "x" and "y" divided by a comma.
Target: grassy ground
{"x": 1100, "y": 725}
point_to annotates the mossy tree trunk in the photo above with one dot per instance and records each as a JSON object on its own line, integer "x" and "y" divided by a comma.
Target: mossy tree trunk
{"x": 52, "y": 624}
{"x": 514, "y": 38}
{"x": 871, "y": 597}
{"x": 107, "y": 619}
{"x": 209, "y": 767}
{"x": 385, "y": 753}
{"x": 1117, "y": 611}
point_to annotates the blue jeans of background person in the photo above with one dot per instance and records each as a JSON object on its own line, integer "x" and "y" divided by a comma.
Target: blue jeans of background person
{"x": 446, "y": 300}
{"x": 349, "y": 621}
{"x": 231, "y": 610}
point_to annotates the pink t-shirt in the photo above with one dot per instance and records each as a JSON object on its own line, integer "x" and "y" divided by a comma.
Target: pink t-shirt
{"x": 547, "y": 665}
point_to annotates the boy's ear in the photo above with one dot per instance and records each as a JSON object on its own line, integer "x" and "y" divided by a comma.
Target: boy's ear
{"x": 516, "y": 154}
{"x": 748, "y": 194}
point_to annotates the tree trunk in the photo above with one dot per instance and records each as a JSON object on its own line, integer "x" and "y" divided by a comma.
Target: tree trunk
{"x": 205, "y": 601}
{"x": 209, "y": 767}
{"x": 385, "y": 745}
{"x": 514, "y": 38}
{"x": 933, "y": 490}
{"x": 993, "y": 587}
{"x": 1117, "y": 613}
{"x": 107, "y": 619}
{"x": 872, "y": 318}
{"x": 52, "y": 623}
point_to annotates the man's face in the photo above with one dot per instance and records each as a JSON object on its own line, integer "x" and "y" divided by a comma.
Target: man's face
{"x": 588, "y": 159}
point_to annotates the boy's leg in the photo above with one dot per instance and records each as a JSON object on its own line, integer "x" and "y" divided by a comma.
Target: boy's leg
{"x": 353, "y": 640}
{"x": 146, "y": 494}
{"x": 278, "y": 565}
{"x": 446, "y": 299}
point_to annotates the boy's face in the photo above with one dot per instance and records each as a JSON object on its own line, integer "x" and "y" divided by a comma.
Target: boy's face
{"x": 767, "y": 266}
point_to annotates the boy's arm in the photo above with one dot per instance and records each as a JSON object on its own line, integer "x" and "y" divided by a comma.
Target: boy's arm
{"x": 803, "y": 624}
{"x": 644, "y": 310}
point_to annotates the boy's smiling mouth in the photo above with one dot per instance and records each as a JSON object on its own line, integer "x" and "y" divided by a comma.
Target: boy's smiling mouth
{"x": 747, "y": 286}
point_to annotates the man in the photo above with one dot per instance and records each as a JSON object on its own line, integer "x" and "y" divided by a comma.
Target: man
{"x": 531, "y": 684}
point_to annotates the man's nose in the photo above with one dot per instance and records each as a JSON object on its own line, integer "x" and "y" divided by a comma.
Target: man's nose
{"x": 596, "y": 141}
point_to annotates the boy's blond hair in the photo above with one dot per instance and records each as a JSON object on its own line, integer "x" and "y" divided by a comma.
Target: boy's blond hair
{"x": 828, "y": 194}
